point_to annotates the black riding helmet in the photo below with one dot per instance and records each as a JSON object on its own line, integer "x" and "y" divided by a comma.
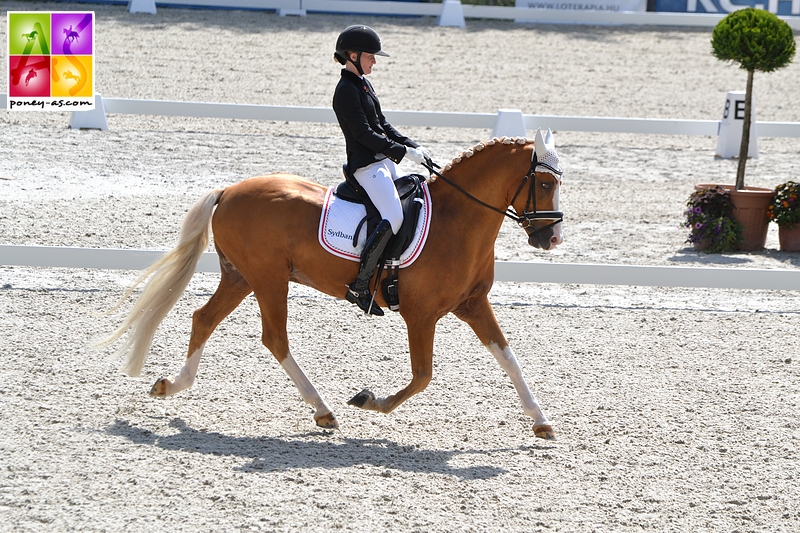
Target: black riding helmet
{"x": 357, "y": 38}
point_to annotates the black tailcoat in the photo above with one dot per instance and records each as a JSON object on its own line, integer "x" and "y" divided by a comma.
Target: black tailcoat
{"x": 368, "y": 136}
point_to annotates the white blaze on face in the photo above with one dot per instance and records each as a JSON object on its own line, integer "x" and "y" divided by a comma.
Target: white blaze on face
{"x": 558, "y": 236}
{"x": 546, "y": 154}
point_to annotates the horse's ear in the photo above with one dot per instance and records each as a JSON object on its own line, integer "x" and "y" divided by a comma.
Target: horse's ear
{"x": 549, "y": 142}
{"x": 540, "y": 145}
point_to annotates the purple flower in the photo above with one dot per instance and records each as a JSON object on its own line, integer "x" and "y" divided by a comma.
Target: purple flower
{"x": 698, "y": 210}
{"x": 698, "y": 225}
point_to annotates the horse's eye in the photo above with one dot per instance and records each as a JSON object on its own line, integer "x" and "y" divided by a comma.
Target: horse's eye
{"x": 547, "y": 186}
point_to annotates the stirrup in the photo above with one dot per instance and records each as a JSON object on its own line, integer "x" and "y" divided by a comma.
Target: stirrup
{"x": 364, "y": 301}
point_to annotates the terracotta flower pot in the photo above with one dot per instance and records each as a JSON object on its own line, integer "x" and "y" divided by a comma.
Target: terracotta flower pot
{"x": 750, "y": 210}
{"x": 789, "y": 238}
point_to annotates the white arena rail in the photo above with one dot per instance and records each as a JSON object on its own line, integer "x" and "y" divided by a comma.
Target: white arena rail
{"x": 456, "y": 16}
{"x": 43, "y": 256}
{"x": 442, "y": 119}
{"x": 437, "y": 118}
{"x": 524, "y": 272}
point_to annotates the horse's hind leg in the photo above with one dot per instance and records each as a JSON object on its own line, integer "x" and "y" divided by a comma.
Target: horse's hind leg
{"x": 231, "y": 291}
{"x": 272, "y": 299}
{"x": 479, "y": 315}
{"x": 420, "y": 344}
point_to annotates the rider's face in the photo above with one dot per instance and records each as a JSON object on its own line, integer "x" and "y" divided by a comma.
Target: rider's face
{"x": 367, "y": 61}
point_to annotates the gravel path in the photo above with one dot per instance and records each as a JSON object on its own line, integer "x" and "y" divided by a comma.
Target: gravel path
{"x": 676, "y": 409}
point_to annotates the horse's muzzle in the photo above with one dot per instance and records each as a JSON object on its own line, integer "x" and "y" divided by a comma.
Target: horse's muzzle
{"x": 545, "y": 239}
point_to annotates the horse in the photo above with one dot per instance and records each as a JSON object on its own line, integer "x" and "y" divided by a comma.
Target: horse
{"x": 70, "y": 34}
{"x": 31, "y": 74}
{"x": 265, "y": 235}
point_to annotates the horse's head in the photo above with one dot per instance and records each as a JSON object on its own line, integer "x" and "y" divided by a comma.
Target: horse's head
{"x": 541, "y": 218}
{"x": 534, "y": 205}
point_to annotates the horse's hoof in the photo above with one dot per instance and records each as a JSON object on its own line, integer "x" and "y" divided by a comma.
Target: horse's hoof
{"x": 327, "y": 421}
{"x": 360, "y": 399}
{"x": 159, "y": 389}
{"x": 544, "y": 432}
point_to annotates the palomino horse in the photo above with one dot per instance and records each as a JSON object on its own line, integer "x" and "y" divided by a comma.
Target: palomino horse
{"x": 265, "y": 232}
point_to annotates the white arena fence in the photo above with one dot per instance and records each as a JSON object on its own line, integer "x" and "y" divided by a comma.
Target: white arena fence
{"x": 67, "y": 257}
{"x": 511, "y": 122}
{"x": 452, "y": 12}
{"x": 514, "y": 271}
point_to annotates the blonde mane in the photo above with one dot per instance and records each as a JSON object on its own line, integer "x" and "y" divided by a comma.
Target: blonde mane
{"x": 466, "y": 154}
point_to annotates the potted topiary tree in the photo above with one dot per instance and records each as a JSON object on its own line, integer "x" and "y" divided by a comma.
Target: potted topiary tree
{"x": 756, "y": 40}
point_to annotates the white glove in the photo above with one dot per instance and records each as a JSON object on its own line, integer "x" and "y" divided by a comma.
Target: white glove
{"x": 416, "y": 155}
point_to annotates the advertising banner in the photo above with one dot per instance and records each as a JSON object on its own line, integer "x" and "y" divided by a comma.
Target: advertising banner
{"x": 584, "y": 5}
{"x": 778, "y": 7}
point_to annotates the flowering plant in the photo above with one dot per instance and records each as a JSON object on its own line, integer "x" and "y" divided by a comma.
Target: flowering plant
{"x": 709, "y": 217}
{"x": 785, "y": 209}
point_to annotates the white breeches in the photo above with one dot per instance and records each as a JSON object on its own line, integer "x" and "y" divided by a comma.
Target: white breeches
{"x": 378, "y": 180}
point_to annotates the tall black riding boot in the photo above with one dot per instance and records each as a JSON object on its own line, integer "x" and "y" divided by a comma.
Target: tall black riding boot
{"x": 359, "y": 292}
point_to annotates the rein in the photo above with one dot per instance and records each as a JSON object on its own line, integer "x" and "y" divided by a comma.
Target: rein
{"x": 524, "y": 221}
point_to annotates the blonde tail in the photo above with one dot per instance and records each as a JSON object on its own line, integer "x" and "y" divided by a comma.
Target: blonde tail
{"x": 171, "y": 274}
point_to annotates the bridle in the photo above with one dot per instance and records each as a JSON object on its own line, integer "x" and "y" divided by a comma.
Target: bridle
{"x": 527, "y": 217}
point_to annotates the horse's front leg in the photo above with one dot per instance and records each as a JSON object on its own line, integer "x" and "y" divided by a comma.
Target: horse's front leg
{"x": 420, "y": 345}
{"x": 272, "y": 300}
{"x": 480, "y": 316}
{"x": 323, "y": 415}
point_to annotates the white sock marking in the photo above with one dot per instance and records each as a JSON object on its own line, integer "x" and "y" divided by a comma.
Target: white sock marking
{"x": 508, "y": 362}
{"x": 188, "y": 373}
{"x": 304, "y": 385}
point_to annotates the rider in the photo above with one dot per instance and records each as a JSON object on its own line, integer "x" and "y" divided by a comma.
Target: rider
{"x": 374, "y": 148}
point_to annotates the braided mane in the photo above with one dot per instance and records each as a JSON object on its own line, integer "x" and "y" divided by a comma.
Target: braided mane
{"x": 466, "y": 154}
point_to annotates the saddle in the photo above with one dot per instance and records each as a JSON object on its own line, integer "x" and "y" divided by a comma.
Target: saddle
{"x": 409, "y": 189}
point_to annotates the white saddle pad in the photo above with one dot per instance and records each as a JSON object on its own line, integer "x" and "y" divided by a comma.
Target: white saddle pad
{"x": 339, "y": 221}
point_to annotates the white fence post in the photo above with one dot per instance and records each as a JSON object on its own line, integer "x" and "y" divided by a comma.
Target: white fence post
{"x": 94, "y": 119}
{"x": 142, "y": 6}
{"x": 452, "y": 14}
{"x": 297, "y": 12}
{"x": 510, "y": 123}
